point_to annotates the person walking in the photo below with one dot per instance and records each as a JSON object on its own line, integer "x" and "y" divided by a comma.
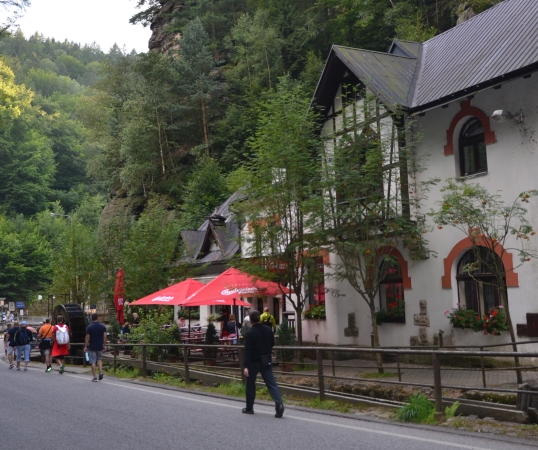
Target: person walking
{"x": 268, "y": 319}
{"x": 6, "y": 341}
{"x": 23, "y": 338}
{"x": 259, "y": 342}
{"x": 60, "y": 342}
{"x": 95, "y": 345}
{"x": 11, "y": 343}
{"x": 45, "y": 333}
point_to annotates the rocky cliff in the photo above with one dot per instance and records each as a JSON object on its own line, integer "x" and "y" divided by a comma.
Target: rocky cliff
{"x": 161, "y": 40}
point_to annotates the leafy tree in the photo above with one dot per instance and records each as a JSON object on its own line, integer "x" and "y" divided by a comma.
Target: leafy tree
{"x": 196, "y": 84}
{"x": 491, "y": 223}
{"x": 369, "y": 210}
{"x": 24, "y": 260}
{"x": 257, "y": 51}
{"x": 279, "y": 207}
{"x": 205, "y": 190}
{"x": 15, "y": 8}
{"x": 150, "y": 248}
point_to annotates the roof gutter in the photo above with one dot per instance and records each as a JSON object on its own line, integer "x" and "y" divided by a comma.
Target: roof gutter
{"x": 498, "y": 81}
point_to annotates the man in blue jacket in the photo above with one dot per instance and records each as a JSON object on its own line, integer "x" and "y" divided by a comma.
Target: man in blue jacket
{"x": 259, "y": 342}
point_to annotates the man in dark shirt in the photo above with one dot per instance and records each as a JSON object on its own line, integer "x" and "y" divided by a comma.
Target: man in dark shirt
{"x": 11, "y": 343}
{"x": 259, "y": 341}
{"x": 95, "y": 345}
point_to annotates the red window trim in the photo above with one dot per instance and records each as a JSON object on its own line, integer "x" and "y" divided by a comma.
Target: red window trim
{"x": 512, "y": 278}
{"x": 468, "y": 110}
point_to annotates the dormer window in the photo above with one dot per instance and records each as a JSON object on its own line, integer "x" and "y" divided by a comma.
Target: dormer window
{"x": 473, "y": 158}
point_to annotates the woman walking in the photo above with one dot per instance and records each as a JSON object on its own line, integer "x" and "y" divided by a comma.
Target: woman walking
{"x": 60, "y": 338}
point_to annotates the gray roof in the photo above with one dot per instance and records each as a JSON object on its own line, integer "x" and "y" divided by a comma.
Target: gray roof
{"x": 501, "y": 40}
{"x": 497, "y": 45}
{"x": 224, "y": 234}
{"x": 390, "y": 76}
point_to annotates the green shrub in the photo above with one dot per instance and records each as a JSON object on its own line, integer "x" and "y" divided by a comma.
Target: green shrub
{"x": 286, "y": 336}
{"x": 419, "y": 409}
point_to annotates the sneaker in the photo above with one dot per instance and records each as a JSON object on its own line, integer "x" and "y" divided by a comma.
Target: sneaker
{"x": 62, "y": 367}
{"x": 280, "y": 411}
{"x": 100, "y": 375}
{"x": 11, "y": 366}
{"x": 94, "y": 379}
{"x": 49, "y": 369}
{"x": 25, "y": 369}
{"x": 247, "y": 411}
{"x": 18, "y": 368}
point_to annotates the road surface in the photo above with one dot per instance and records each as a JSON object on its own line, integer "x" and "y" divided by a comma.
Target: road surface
{"x": 68, "y": 411}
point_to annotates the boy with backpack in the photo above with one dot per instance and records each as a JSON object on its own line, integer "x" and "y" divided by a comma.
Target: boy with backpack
{"x": 60, "y": 338}
{"x": 23, "y": 338}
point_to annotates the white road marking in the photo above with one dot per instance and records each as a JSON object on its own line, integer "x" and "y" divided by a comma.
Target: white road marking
{"x": 349, "y": 427}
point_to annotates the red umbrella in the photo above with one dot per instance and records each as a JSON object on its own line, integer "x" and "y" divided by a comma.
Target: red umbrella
{"x": 174, "y": 295}
{"x": 229, "y": 286}
{"x": 119, "y": 295}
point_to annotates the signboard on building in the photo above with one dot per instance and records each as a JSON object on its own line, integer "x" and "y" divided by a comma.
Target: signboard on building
{"x": 12, "y": 306}
{"x": 19, "y": 305}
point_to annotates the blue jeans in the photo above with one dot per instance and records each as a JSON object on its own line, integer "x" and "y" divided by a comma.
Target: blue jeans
{"x": 23, "y": 349}
{"x": 269, "y": 380}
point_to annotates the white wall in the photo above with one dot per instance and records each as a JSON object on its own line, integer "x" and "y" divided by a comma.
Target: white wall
{"x": 512, "y": 166}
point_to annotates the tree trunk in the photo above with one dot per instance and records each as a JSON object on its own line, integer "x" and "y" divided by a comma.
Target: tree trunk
{"x": 206, "y": 133}
{"x": 375, "y": 330}
{"x": 299, "y": 330}
{"x": 504, "y": 300}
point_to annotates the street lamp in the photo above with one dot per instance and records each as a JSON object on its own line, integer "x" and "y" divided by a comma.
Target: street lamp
{"x": 74, "y": 254}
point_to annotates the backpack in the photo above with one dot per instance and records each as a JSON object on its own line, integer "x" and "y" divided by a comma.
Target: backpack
{"x": 22, "y": 338}
{"x": 268, "y": 322}
{"x": 62, "y": 335}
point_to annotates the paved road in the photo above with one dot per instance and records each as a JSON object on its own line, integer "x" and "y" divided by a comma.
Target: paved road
{"x": 68, "y": 412}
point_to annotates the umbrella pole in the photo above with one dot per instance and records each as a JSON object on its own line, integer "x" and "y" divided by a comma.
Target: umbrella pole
{"x": 189, "y": 321}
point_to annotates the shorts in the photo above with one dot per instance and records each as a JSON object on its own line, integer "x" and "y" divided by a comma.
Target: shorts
{"x": 23, "y": 350}
{"x": 94, "y": 356}
{"x": 10, "y": 350}
{"x": 46, "y": 352}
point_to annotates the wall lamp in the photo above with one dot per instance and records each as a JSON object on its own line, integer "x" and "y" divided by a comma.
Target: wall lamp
{"x": 503, "y": 116}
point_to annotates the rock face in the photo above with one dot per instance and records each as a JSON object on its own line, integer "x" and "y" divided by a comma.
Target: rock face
{"x": 464, "y": 12}
{"x": 161, "y": 41}
{"x": 121, "y": 207}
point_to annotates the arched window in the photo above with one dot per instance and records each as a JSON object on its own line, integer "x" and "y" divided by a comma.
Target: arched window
{"x": 478, "y": 289}
{"x": 391, "y": 292}
{"x": 473, "y": 158}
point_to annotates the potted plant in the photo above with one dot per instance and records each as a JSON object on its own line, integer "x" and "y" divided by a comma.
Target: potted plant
{"x": 494, "y": 322}
{"x": 211, "y": 338}
{"x": 393, "y": 313}
{"x": 316, "y": 312}
{"x": 286, "y": 337}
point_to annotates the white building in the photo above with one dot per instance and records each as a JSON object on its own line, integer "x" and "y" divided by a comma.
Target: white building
{"x": 449, "y": 86}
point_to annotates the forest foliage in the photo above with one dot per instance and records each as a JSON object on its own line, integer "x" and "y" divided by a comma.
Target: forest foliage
{"x": 175, "y": 131}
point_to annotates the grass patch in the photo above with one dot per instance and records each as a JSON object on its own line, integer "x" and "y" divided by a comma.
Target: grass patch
{"x": 233, "y": 389}
{"x": 378, "y": 375}
{"x": 301, "y": 367}
{"x": 419, "y": 410}
{"x": 327, "y": 405}
{"x": 125, "y": 372}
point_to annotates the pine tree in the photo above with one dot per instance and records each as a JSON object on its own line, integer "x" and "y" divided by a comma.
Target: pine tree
{"x": 195, "y": 66}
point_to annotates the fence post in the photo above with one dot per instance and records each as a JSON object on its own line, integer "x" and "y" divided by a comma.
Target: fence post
{"x": 241, "y": 355}
{"x": 144, "y": 358}
{"x": 438, "y": 393}
{"x": 332, "y": 357}
{"x": 398, "y": 366}
{"x": 482, "y": 368}
{"x": 115, "y": 359}
{"x": 321, "y": 383}
{"x": 186, "y": 362}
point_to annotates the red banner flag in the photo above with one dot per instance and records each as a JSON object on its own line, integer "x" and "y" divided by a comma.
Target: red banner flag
{"x": 119, "y": 296}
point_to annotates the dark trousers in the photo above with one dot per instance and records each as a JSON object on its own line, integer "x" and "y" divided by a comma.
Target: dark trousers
{"x": 269, "y": 380}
